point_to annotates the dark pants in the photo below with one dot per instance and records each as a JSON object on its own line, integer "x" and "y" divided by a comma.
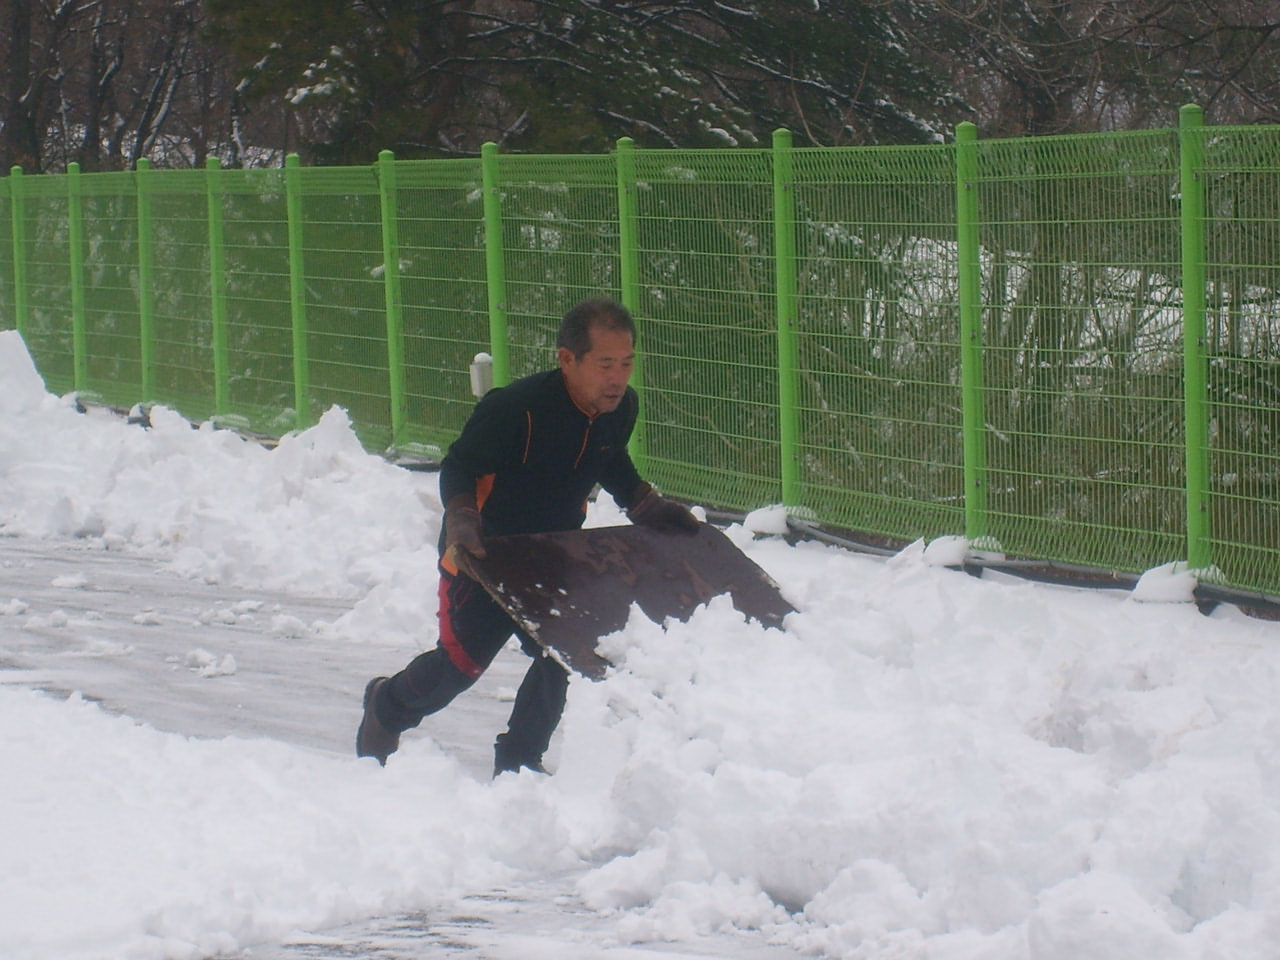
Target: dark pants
{"x": 473, "y": 628}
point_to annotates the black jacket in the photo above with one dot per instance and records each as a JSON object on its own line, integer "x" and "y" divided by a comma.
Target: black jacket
{"x": 532, "y": 457}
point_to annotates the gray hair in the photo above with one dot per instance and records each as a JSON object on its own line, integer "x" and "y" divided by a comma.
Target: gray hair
{"x": 575, "y": 329}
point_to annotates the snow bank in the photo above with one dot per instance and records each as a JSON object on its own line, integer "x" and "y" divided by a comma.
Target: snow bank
{"x": 316, "y": 513}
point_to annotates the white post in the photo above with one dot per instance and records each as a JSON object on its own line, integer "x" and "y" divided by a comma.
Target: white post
{"x": 481, "y": 375}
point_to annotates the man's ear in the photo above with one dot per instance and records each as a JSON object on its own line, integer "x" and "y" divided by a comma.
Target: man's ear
{"x": 565, "y": 356}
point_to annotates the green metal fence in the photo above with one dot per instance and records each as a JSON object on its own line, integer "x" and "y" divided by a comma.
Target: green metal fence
{"x": 1239, "y": 171}
{"x": 1082, "y": 353}
{"x": 1064, "y": 348}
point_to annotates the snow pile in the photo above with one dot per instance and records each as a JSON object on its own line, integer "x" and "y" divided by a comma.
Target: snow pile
{"x": 311, "y": 514}
{"x": 1168, "y": 583}
{"x": 23, "y": 388}
{"x": 921, "y": 765}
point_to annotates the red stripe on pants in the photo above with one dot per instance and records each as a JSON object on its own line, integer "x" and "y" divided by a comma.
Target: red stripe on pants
{"x": 448, "y": 639}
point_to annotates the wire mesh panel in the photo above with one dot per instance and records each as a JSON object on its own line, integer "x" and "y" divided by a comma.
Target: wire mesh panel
{"x": 113, "y": 366}
{"x": 708, "y": 328}
{"x": 560, "y": 241}
{"x": 879, "y": 339}
{"x": 1242, "y": 206}
{"x": 46, "y": 227}
{"x": 180, "y": 293}
{"x": 346, "y": 312}
{"x": 440, "y": 224}
{"x": 1083, "y": 349}
{"x": 259, "y": 323}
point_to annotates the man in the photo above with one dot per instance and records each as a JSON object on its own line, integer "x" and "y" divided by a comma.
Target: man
{"x": 525, "y": 462}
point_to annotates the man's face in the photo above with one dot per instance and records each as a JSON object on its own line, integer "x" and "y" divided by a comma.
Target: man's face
{"x": 598, "y": 380}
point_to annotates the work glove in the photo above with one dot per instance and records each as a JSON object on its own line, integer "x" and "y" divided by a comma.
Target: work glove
{"x": 462, "y": 538}
{"x": 652, "y": 509}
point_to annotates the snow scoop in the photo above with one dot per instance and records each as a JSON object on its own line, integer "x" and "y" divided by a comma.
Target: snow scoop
{"x": 569, "y": 589}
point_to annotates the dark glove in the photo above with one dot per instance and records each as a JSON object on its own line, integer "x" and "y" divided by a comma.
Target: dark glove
{"x": 462, "y": 531}
{"x": 651, "y": 509}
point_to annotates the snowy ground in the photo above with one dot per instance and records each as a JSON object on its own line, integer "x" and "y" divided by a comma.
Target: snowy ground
{"x": 922, "y": 765}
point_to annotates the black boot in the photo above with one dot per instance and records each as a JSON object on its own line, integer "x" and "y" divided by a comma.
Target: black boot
{"x": 534, "y": 716}
{"x": 373, "y": 739}
{"x": 512, "y": 756}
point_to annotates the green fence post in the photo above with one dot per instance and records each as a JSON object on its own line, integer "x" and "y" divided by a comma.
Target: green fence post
{"x": 79, "y": 336}
{"x": 1194, "y": 356}
{"x": 217, "y": 286}
{"x": 970, "y": 292}
{"x": 17, "y": 207}
{"x": 391, "y": 291}
{"x": 297, "y": 292}
{"x": 146, "y": 281}
{"x": 495, "y": 264}
{"x": 629, "y": 271}
{"x": 784, "y": 231}
{"x": 6, "y": 191}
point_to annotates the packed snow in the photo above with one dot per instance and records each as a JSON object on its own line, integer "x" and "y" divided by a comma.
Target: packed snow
{"x": 922, "y": 764}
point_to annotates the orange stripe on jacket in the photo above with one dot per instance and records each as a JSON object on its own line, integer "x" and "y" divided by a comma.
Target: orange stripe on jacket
{"x": 484, "y": 487}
